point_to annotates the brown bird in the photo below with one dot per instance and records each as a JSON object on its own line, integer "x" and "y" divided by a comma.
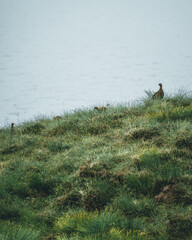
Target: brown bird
{"x": 57, "y": 117}
{"x": 12, "y": 128}
{"x": 158, "y": 94}
{"x": 100, "y": 108}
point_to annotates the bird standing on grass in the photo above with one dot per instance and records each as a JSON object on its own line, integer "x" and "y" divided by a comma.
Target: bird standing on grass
{"x": 100, "y": 108}
{"x": 158, "y": 94}
{"x": 12, "y": 128}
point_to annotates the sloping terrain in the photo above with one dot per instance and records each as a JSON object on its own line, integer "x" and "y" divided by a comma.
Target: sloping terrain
{"x": 119, "y": 173}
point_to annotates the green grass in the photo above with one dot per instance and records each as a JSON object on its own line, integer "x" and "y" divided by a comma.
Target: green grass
{"x": 122, "y": 173}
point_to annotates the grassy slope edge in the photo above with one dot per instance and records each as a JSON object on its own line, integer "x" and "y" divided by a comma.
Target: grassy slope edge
{"x": 123, "y": 173}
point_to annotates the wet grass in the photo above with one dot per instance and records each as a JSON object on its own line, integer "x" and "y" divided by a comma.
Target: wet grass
{"x": 122, "y": 173}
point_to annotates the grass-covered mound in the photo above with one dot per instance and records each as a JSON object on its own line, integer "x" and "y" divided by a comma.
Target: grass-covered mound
{"x": 122, "y": 173}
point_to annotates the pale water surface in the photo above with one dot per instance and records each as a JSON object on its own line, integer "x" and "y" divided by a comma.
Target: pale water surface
{"x": 58, "y": 55}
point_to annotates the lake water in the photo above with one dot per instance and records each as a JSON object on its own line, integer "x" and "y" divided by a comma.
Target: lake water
{"x": 57, "y": 56}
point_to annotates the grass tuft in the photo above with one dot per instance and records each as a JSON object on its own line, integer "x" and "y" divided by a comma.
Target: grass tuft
{"x": 33, "y": 128}
{"x": 143, "y": 133}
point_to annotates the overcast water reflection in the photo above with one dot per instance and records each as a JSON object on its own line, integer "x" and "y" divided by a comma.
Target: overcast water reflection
{"x": 60, "y": 55}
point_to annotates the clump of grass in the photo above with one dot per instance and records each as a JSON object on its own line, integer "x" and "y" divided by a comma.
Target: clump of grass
{"x": 90, "y": 128}
{"x": 142, "y": 133}
{"x": 93, "y": 224}
{"x": 13, "y": 148}
{"x": 100, "y": 171}
{"x": 11, "y": 212}
{"x": 181, "y": 98}
{"x": 172, "y": 113}
{"x": 179, "y": 227}
{"x": 33, "y": 128}
{"x": 169, "y": 172}
{"x": 9, "y": 231}
{"x": 139, "y": 183}
{"x": 114, "y": 234}
{"x": 98, "y": 196}
{"x": 70, "y": 200}
{"x": 152, "y": 160}
{"x": 134, "y": 207}
{"x": 175, "y": 193}
{"x": 40, "y": 185}
{"x": 58, "y": 146}
{"x": 93, "y": 124}
{"x": 184, "y": 140}
{"x": 13, "y": 184}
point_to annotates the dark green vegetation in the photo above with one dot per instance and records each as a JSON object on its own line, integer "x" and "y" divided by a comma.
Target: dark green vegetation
{"x": 123, "y": 173}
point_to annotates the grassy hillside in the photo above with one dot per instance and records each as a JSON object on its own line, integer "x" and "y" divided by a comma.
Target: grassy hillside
{"x": 122, "y": 173}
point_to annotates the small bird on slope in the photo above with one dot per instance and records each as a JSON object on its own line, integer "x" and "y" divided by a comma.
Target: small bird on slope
{"x": 12, "y": 128}
{"x": 158, "y": 94}
{"x": 100, "y": 108}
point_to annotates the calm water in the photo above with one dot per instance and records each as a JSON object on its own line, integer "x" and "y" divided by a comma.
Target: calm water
{"x": 65, "y": 54}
